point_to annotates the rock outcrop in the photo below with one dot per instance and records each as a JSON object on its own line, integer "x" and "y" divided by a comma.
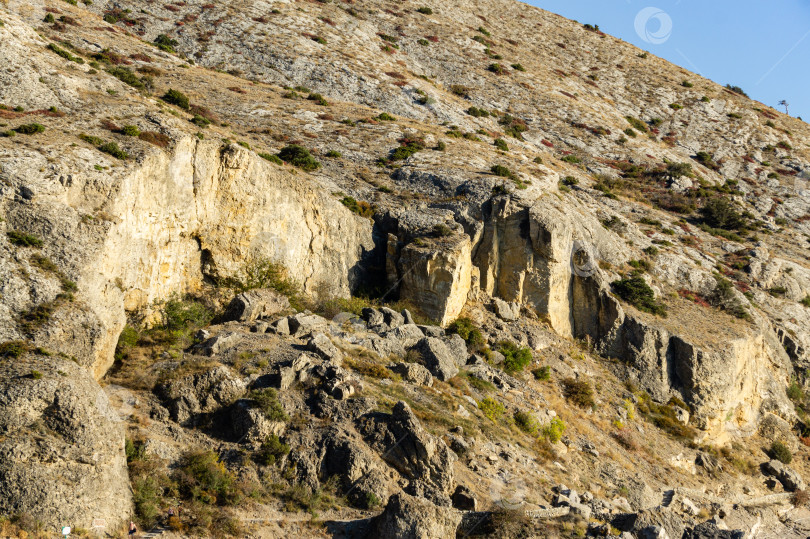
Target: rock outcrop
{"x": 61, "y": 446}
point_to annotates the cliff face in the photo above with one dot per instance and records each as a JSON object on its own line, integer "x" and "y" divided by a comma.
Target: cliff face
{"x": 480, "y": 156}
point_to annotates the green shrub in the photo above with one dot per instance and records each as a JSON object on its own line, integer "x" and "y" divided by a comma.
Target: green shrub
{"x": 271, "y": 450}
{"x": 806, "y": 301}
{"x": 272, "y": 158}
{"x": 408, "y": 147}
{"x": 333, "y": 153}
{"x": 515, "y": 358}
{"x": 780, "y": 452}
{"x": 36, "y": 375}
{"x": 501, "y": 145}
{"x": 496, "y": 68}
{"x": 723, "y": 297}
{"x": 687, "y": 84}
{"x": 95, "y": 141}
{"x": 204, "y": 478}
{"x": 262, "y": 273}
{"x": 675, "y": 106}
{"x": 125, "y": 75}
{"x": 794, "y": 391}
{"x": 637, "y": 292}
{"x": 13, "y": 349}
{"x": 113, "y": 149}
{"x": 736, "y": 90}
{"x": 177, "y": 98}
{"x": 423, "y": 42}
{"x": 385, "y": 117}
{"x": 542, "y": 374}
{"x": 491, "y": 408}
{"x": 502, "y": 171}
{"x": 21, "y": 239}
{"x": 638, "y": 124}
{"x": 484, "y": 31}
{"x": 319, "y": 99}
{"x": 165, "y": 43}
{"x": 467, "y": 330}
{"x": 477, "y": 113}
{"x": 65, "y": 54}
{"x": 200, "y": 121}
{"x": 518, "y": 67}
{"x": 720, "y": 213}
{"x": 553, "y": 432}
{"x": 29, "y": 129}
{"x": 360, "y": 207}
{"x": 298, "y": 156}
{"x": 579, "y": 392}
{"x": 267, "y": 401}
{"x": 425, "y": 11}
{"x": 130, "y": 130}
{"x": 569, "y": 181}
{"x": 183, "y": 314}
{"x": 573, "y": 159}
{"x": 526, "y": 422}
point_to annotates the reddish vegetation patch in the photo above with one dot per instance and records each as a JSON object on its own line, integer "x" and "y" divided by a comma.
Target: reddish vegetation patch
{"x": 433, "y": 39}
{"x": 566, "y": 94}
{"x": 237, "y": 90}
{"x": 694, "y": 297}
{"x": 547, "y": 143}
{"x": 158, "y": 139}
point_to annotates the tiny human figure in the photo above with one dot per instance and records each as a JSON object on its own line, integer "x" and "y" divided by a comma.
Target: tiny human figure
{"x": 132, "y": 529}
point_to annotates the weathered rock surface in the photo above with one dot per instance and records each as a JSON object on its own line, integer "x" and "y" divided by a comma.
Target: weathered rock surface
{"x": 409, "y": 517}
{"x": 61, "y": 446}
{"x": 199, "y": 393}
{"x": 438, "y": 359}
{"x": 249, "y": 306}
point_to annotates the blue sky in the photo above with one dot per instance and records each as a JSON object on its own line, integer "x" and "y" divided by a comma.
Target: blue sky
{"x": 762, "y": 47}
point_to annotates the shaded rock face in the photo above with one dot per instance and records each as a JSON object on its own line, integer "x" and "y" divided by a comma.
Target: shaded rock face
{"x": 422, "y": 458}
{"x": 199, "y": 393}
{"x": 61, "y": 441}
{"x": 408, "y": 517}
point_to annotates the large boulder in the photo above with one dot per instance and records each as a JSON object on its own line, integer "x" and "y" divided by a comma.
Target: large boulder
{"x": 409, "y": 517}
{"x": 789, "y": 477}
{"x": 61, "y": 446}
{"x": 438, "y": 358}
{"x": 254, "y": 304}
{"x": 422, "y": 458}
{"x": 202, "y": 392}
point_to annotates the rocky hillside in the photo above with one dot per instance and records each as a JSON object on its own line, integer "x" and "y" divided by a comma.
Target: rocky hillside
{"x": 410, "y": 270}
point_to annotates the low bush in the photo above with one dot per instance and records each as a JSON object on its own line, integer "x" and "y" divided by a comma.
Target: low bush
{"x": 298, "y": 156}
{"x": 271, "y": 450}
{"x": 65, "y": 54}
{"x": 542, "y": 374}
{"x": 579, "y": 392}
{"x": 501, "y": 144}
{"x": 467, "y": 330}
{"x": 113, "y": 149}
{"x": 125, "y": 75}
{"x": 29, "y": 129}
{"x": 526, "y": 422}
{"x": 360, "y": 207}
{"x": 266, "y": 400}
{"x": 177, "y": 98}
{"x": 636, "y": 123}
{"x": 130, "y": 131}
{"x": 515, "y": 358}
{"x": 720, "y": 213}
{"x": 780, "y": 452}
{"x": 21, "y": 239}
{"x": 554, "y": 430}
{"x": 165, "y": 43}
{"x": 635, "y": 291}
{"x": 491, "y": 408}
{"x": 425, "y": 11}
{"x": 272, "y": 158}
{"x": 478, "y": 113}
{"x": 13, "y": 349}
